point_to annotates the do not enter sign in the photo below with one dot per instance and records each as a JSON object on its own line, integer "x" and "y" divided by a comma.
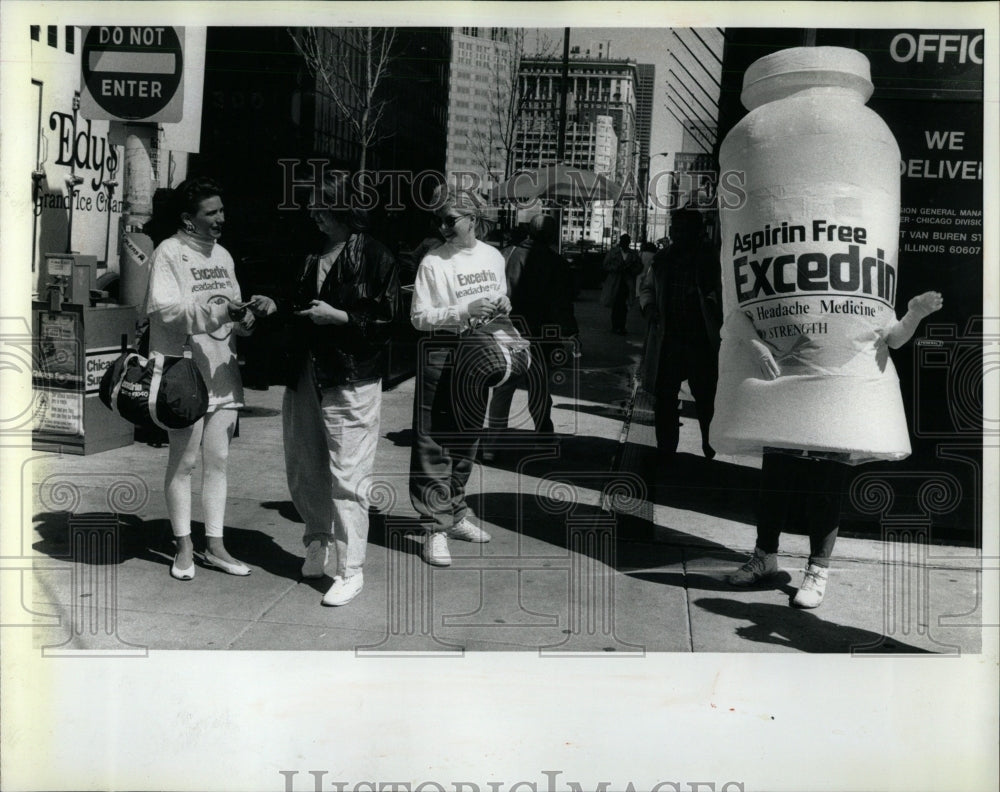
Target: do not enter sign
{"x": 133, "y": 74}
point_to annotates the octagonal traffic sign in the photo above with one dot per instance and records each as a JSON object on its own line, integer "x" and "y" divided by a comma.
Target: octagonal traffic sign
{"x": 132, "y": 73}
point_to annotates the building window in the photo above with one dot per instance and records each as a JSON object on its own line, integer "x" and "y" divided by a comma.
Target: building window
{"x": 53, "y": 36}
{"x": 70, "y": 39}
{"x": 36, "y": 32}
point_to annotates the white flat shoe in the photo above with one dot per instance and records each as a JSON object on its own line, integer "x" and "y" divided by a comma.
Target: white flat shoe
{"x": 239, "y": 569}
{"x": 181, "y": 574}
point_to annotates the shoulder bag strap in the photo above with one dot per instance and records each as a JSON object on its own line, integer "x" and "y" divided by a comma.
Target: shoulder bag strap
{"x": 154, "y": 387}
{"x": 118, "y": 385}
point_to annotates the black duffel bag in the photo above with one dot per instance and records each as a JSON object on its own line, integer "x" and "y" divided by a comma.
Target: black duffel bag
{"x": 166, "y": 391}
{"x": 491, "y": 353}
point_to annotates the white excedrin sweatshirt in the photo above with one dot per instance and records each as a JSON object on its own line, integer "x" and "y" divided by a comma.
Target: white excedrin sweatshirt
{"x": 191, "y": 284}
{"x": 449, "y": 279}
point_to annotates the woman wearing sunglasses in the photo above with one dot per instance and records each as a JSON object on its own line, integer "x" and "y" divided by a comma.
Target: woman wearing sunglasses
{"x": 460, "y": 281}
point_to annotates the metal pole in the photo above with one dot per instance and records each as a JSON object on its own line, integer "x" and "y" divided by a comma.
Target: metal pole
{"x": 563, "y": 89}
{"x": 679, "y": 121}
{"x": 73, "y": 181}
{"x": 692, "y": 117}
{"x": 707, "y": 94}
{"x": 695, "y": 98}
{"x": 137, "y": 196}
{"x": 684, "y": 44}
{"x": 710, "y": 51}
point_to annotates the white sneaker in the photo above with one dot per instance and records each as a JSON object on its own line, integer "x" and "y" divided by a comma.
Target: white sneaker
{"x": 317, "y": 554}
{"x": 436, "y": 549}
{"x": 344, "y": 589}
{"x": 759, "y": 566}
{"x": 467, "y": 531}
{"x": 810, "y": 593}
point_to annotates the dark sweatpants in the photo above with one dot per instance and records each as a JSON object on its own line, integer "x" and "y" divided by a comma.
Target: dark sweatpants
{"x": 796, "y": 490}
{"x": 619, "y": 306}
{"x": 699, "y": 366}
{"x": 447, "y": 424}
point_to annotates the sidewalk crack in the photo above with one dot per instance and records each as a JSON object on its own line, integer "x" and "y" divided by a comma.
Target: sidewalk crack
{"x": 260, "y": 616}
{"x": 687, "y": 601}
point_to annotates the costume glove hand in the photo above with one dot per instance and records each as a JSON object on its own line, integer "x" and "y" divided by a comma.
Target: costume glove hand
{"x": 925, "y": 304}
{"x": 765, "y": 359}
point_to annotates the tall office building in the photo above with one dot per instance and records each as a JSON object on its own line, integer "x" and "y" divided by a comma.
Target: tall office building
{"x": 602, "y": 106}
{"x": 478, "y": 88}
{"x": 645, "y": 87}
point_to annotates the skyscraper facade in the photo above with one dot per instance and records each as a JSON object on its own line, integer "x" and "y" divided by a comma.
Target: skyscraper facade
{"x": 602, "y": 105}
{"x": 479, "y": 87}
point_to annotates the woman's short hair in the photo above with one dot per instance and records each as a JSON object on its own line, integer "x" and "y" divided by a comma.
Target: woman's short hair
{"x": 191, "y": 192}
{"x": 336, "y": 191}
{"x": 464, "y": 202}
{"x": 337, "y": 198}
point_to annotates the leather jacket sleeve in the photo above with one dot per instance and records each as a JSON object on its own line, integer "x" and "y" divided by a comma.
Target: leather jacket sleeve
{"x": 378, "y": 301}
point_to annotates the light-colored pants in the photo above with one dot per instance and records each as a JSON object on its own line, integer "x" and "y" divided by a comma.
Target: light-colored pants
{"x": 329, "y": 457}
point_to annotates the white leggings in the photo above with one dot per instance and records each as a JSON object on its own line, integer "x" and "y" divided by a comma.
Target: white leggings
{"x": 212, "y": 435}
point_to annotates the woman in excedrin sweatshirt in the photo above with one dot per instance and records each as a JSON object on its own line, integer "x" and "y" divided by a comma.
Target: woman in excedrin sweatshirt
{"x": 194, "y": 300}
{"x": 459, "y": 281}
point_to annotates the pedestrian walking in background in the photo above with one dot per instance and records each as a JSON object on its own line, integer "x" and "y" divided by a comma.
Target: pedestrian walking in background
{"x": 647, "y": 250}
{"x": 183, "y": 313}
{"x": 340, "y": 306}
{"x": 540, "y": 286}
{"x": 459, "y": 281}
{"x": 681, "y": 296}
{"x": 622, "y": 266}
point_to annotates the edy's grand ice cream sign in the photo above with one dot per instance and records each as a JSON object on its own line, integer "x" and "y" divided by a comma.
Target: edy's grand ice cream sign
{"x": 79, "y": 148}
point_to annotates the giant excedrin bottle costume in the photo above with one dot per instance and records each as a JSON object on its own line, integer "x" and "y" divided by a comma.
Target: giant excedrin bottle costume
{"x": 809, "y": 265}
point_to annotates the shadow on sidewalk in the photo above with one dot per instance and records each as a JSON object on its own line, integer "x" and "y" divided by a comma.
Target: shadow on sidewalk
{"x": 100, "y": 538}
{"x": 578, "y": 527}
{"x": 551, "y": 514}
{"x": 799, "y": 629}
{"x": 538, "y": 456}
{"x": 694, "y": 483}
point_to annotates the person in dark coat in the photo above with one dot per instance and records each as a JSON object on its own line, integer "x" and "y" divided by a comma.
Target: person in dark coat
{"x": 681, "y": 294}
{"x": 623, "y": 266}
{"x": 540, "y": 285}
{"x": 340, "y": 306}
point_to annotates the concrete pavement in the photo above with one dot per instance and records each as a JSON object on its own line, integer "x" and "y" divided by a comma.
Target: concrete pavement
{"x": 593, "y": 549}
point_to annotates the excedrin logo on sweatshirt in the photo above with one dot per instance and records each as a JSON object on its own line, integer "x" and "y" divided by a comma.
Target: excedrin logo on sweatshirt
{"x": 204, "y": 273}
{"x": 486, "y": 276}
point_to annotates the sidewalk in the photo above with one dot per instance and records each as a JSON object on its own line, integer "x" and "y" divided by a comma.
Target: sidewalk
{"x": 562, "y": 574}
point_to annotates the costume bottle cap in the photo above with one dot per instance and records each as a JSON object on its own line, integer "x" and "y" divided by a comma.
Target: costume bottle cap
{"x": 789, "y": 71}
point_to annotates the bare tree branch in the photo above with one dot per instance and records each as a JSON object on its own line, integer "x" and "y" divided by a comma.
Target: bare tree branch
{"x": 496, "y": 132}
{"x": 354, "y": 93}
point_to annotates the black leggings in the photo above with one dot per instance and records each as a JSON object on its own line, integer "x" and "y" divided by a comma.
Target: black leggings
{"x": 803, "y": 491}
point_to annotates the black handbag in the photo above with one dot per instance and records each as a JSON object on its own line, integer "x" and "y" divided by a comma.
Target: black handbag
{"x": 491, "y": 353}
{"x": 165, "y": 391}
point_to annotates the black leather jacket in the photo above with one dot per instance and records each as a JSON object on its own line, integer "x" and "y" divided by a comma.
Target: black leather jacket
{"x": 363, "y": 282}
